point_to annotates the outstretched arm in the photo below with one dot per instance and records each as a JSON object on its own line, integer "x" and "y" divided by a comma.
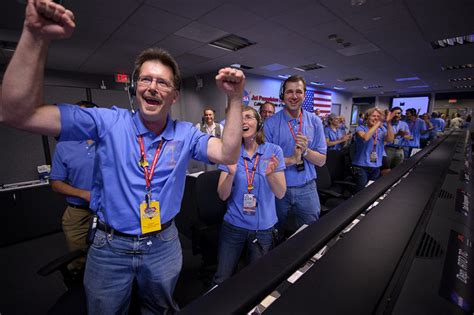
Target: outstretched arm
{"x": 226, "y": 150}
{"x": 22, "y": 98}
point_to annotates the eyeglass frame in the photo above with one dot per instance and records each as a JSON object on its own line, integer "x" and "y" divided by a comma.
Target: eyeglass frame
{"x": 161, "y": 84}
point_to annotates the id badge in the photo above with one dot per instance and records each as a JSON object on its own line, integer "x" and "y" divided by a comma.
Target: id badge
{"x": 250, "y": 204}
{"x": 150, "y": 216}
{"x": 373, "y": 156}
{"x": 396, "y": 141}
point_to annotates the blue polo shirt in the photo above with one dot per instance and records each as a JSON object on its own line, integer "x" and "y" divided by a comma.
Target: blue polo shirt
{"x": 438, "y": 126}
{"x": 398, "y": 140}
{"x": 415, "y": 130}
{"x": 363, "y": 149}
{"x": 333, "y": 136}
{"x": 265, "y": 216}
{"x": 73, "y": 162}
{"x": 277, "y": 131}
{"x": 119, "y": 182}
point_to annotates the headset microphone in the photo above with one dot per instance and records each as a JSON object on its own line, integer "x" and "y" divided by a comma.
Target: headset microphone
{"x": 131, "y": 90}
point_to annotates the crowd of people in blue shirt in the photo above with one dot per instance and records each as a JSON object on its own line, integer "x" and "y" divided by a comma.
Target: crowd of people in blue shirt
{"x": 140, "y": 159}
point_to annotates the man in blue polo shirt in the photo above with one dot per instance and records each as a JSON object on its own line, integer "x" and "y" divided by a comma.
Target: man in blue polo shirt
{"x": 417, "y": 127}
{"x": 394, "y": 149}
{"x": 301, "y": 136}
{"x": 71, "y": 175}
{"x": 141, "y": 161}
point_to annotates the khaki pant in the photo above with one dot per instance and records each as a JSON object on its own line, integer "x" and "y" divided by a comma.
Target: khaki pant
{"x": 75, "y": 227}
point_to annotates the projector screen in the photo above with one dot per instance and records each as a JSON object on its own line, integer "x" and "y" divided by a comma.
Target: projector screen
{"x": 420, "y": 103}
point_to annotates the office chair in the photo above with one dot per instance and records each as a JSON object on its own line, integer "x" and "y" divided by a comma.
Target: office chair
{"x": 211, "y": 212}
{"x": 331, "y": 193}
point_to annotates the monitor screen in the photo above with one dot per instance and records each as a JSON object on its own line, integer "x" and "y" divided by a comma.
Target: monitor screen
{"x": 420, "y": 103}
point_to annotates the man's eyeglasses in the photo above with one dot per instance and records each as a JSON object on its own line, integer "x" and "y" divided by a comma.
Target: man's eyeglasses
{"x": 161, "y": 84}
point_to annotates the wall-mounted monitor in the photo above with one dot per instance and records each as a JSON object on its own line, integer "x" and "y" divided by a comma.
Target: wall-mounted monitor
{"x": 420, "y": 103}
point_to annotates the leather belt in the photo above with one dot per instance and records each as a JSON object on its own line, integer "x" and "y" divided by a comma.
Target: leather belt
{"x": 107, "y": 229}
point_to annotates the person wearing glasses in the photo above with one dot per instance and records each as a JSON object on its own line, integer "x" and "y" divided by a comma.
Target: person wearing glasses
{"x": 250, "y": 188}
{"x": 141, "y": 161}
{"x": 267, "y": 110}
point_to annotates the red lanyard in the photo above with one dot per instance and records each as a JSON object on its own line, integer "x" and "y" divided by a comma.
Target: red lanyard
{"x": 250, "y": 178}
{"x": 144, "y": 161}
{"x": 300, "y": 127}
{"x": 375, "y": 136}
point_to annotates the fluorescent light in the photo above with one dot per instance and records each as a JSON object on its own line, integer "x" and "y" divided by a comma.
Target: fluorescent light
{"x": 339, "y": 88}
{"x": 286, "y": 76}
{"x": 418, "y": 86}
{"x": 407, "y": 79}
{"x": 316, "y": 83}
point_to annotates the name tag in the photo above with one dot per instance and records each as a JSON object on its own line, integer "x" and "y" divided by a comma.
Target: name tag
{"x": 150, "y": 216}
{"x": 250, "y": 204}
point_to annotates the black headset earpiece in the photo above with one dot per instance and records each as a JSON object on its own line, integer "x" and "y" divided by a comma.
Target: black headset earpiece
{"x": 132, "y": 91}
{"x": 132, "y": 87}
{"x": 282, "y": 90}
{"x": 259, "y": 121}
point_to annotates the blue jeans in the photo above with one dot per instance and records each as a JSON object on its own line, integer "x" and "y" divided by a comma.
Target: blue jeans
{"x": 232, "y": 241}
{"x": 362, "y": 175}
{"x": 115, "y": 262}
{"x": 303, "y": 201}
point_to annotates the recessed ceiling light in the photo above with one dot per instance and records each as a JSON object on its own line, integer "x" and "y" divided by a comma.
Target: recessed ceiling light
{"x": 317, "y": 83}
{"x": 407, "y": 79}
{"x": 460, "y": 79}
{"x": 452, "y": 41}
{"x": 457, "y": 67}
{"x": 349, "y": 79}
{"x": 339, "y": 88}
{"x": 232, "y": 43}
{"x": 375, "y": 86}
{"x": 377, "y": 18}
{"x": 309, "y": 67}
{"x": 418, "y": 86}
{"x": 284, "y": 76}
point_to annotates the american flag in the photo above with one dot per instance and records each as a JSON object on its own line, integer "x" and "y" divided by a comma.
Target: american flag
{"x": 317, "y": 100}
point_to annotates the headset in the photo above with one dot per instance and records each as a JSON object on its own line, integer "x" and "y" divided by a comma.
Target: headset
{"x": 132, "y": 91}
{"x": 282, "y": 90}
{"x": 259, "y": 119}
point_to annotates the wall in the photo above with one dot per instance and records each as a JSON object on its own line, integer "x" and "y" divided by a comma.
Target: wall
{"x": 463, "y": 106}
{"x": 258, "y": 89}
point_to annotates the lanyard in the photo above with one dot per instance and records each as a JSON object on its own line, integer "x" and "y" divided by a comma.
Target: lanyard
{"x": 300, "y": 127}
{"x": 375, "y": 136}
{"x": 144, "y": 162}
{"x": 250, "y": 178}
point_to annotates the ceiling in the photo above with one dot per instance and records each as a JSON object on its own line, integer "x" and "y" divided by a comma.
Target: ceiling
{"x": 388, "y": 39}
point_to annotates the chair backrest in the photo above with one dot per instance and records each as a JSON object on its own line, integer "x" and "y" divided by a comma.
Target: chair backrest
{"x": 335, "y": 163}
{"x": 323, "y": 180}
{"x": 210, "y": 208}
{"x": 338, "y": 163}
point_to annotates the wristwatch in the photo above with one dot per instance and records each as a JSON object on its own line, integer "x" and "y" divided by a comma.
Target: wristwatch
{"x": 305, "y": 153}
